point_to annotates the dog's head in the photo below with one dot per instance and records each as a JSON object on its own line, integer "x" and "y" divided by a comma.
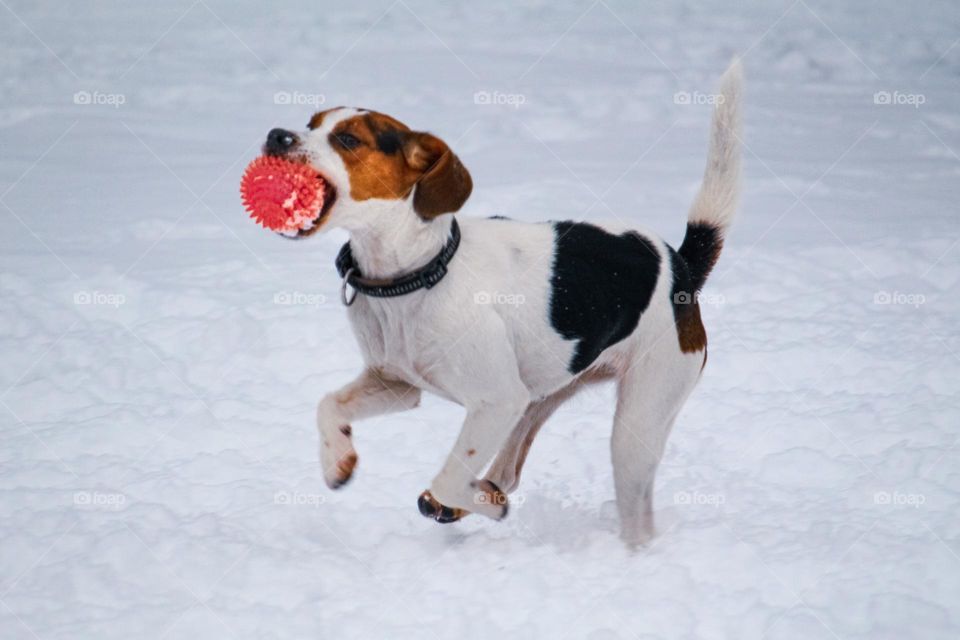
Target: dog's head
{"x": 374, "y": 166}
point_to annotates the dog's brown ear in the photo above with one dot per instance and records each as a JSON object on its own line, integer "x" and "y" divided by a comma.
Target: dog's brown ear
{"x": 444, "y": 184}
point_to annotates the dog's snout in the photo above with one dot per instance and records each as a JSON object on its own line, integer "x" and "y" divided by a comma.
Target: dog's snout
{"x": 279, "y": 141}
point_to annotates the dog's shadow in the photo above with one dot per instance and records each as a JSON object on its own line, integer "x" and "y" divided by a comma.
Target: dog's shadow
{"x": 542, "y": 521}
{"x": 563, "y": 524}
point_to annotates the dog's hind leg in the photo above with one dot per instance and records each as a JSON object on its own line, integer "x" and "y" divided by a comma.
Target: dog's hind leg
{"x": 650, "y": 394}
{"x": 506, "y": 468}
{"x": 370, "y": 394}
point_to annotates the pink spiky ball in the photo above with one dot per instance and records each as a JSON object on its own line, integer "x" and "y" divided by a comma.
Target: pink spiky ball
{"x": 282, "y": 195}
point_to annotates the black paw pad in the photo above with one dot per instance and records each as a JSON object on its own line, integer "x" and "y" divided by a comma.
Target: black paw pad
{"x": 430, "y": 508}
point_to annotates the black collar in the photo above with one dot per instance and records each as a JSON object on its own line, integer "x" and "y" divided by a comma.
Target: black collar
{"x": 424, "y": 277}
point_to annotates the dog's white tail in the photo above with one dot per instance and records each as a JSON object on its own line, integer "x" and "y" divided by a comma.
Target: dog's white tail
{"x": 716, "y": 202}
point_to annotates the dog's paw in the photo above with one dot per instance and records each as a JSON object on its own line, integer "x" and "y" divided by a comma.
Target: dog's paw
{"x": 485, "y": 497}
{"x": 431, "y": 508}
{"x": 638, "y": 532}
{"x": 490, "y": 500}
{"x": 338, "y": 459}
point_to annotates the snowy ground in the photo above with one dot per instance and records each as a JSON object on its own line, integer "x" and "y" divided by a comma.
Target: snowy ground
{"x": 163, "y": 356}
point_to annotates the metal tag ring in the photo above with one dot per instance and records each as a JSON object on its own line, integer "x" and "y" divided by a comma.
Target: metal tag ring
{"x": 343, "y": 289}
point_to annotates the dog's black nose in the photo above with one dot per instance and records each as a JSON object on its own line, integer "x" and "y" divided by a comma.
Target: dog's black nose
{"x": 279, "y": 141}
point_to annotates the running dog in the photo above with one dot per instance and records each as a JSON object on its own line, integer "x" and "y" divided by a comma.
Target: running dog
{"x": 585, "y": 304}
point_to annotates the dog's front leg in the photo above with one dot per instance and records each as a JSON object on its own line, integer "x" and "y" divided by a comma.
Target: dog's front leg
{"x": 371, "y": 394}
{"x": 456, "y": 490}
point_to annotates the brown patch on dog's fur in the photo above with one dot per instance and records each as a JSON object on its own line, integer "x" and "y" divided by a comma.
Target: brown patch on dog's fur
{"x": 346, "y": 430}
{"x": 346, "y": 465}
{"x": 471, "y": 452}
{"x": 690, "y": 331}
{"x": 391, "y": 160}
{"x": 445, "y": 184}
{"x": 373, "y": 173}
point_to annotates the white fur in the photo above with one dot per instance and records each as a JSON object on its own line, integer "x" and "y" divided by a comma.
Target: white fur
{"x": 482, "y": 336}
{"x": 716, "y": 203}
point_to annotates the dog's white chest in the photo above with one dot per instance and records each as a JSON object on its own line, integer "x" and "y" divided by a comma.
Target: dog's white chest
{"x": 393, "y": 337}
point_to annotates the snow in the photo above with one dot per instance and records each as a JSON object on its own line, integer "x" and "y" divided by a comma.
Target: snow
{"x": 163, "y": 356}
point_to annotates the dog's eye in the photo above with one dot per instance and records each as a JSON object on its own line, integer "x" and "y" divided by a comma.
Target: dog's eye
{"x": 347, "y": 141}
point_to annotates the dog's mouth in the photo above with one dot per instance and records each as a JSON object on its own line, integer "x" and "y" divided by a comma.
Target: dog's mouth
{"x": 329, "y": 198}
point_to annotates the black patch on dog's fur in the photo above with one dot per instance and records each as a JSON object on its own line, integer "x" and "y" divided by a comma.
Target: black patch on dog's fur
{"x": 682, "y": 292}
{"x": 700, "y": 249}
{"x": 600, "y": 285}
{"x": 389, "y": 142}
{"x": 498, "y": 218}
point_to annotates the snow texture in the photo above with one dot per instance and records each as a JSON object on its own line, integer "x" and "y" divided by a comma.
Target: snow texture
{"x": 163, "y": 356}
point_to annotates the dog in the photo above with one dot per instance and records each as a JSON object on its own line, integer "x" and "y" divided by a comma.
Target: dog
{"x": 586, "y": 304}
